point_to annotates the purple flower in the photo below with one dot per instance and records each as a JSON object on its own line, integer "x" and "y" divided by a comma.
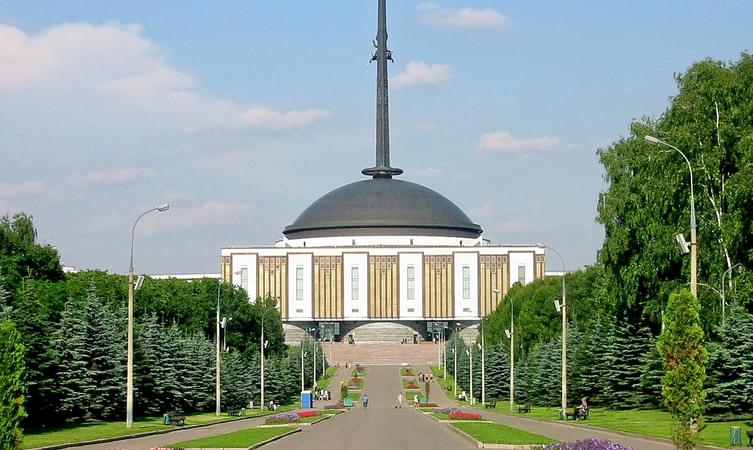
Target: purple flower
{"x": 586, "y": 444}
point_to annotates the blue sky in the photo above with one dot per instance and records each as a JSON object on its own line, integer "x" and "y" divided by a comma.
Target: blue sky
{"x": 241, "y": 114}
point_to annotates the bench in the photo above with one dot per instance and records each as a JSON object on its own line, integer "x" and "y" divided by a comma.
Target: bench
{"x": 577, "y": 413}
{"x": 491, "y": 404}
{"x": 750, "y": 437}
{"x": 524, "y": 408}
{"x": 178, "y": 420}
{"x": 236, "y": 411}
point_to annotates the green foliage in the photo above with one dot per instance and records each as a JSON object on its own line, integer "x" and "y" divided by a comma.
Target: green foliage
{"x": 647, "y": 203}
{"x": 730, "y": 371}
{"x": 681, "y": 346}
{"x": 12, "y": 386}
{"x": 236, "y": 381}
{"x": 20, "y": 255}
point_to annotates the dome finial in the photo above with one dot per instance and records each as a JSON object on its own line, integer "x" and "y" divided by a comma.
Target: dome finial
{"x": 382, "y": 168}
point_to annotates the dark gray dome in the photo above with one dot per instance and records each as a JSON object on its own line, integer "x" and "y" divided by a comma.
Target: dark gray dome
{"x": 382, "y": 206}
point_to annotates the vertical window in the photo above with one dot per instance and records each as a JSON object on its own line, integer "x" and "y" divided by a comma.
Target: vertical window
{"x": 522, "y": 274}
{"x": 244, "y": 278}
{"x": 354, "y": 283}
{"x": 299, "y": 283}
{"x": 466, "y": 282}
{"x": 411, "y": 283}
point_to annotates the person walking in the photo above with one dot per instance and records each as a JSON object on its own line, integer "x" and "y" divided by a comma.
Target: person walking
{"x": 399, "y": 400}
{"x": 365, "y": 400}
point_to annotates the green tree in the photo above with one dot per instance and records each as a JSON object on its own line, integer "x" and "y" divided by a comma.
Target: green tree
{"x": 730, "y": 372}
{"x": 72, "y": 355}
{"x": 646, "y": 204}
{"x": 681, "y": 346}
{"x": 12, "y": 386}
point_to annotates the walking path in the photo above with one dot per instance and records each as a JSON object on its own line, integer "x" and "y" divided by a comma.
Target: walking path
{"x": 380, "y": 426}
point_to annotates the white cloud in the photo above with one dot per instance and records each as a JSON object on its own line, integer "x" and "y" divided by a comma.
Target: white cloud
{"x": 205, "y": 214}
{"x": 25, "y": 188}
{"x": 260, "y": 117}
{"x": 118, "y": 62}
{"x": 438, "y": 16}
{"x": 505, "y": 142}
{"x": 112, "y": 176}
{"x": 418, "y": 72}
{"x": 429, "y": 172}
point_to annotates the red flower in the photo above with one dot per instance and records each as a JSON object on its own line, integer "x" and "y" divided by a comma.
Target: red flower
{"x": 461, "y": 415}
{"x": 308, "y": 413}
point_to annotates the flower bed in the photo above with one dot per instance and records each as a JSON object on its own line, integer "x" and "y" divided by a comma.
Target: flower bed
{"x": 309, "y": 413}
{"x": 427, "y": 405}
{"x": 586, "y": 444}
{"x": 412, "y": 386}
{"x": 338, "y": 405}
{"x": 462, "y": 415}
{"x": 283, "y": 419}
{"x": 455, "y": 414}
{"x": 407, "y": 372}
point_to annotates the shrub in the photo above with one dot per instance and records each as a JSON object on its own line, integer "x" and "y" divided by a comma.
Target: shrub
{"x": 12, "y": 386}
{"x": 587, "y": 444}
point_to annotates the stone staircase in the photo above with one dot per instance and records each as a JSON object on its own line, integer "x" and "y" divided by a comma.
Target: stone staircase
{"x": 424, "y": 353}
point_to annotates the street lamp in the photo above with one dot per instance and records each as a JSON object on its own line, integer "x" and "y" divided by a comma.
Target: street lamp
{"x": 303, "y": 354}
{"x": 217, "y": 363}
{"x": 511, "y": 336}
{"x": 563, "y": 308}
{"x": 483, "y": 372}
{"x": 724, "y": 275}
{"x": 693, "y": 238}
{"x": 129, "y": 374}
{"x": 469, "y": 353}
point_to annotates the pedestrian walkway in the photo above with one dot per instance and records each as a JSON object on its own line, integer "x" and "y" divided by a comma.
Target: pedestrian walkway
{"x": 380, "y": 426}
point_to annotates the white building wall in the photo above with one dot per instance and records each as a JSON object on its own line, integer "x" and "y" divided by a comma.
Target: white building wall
{"x": 518, "y": 259}
{"x": 466, "y": 307}
{"x": 300, "y": 309}
{"x": 359, "y": 260}
{"x": 248, "y": 260}
{"x": 411, "y": 309}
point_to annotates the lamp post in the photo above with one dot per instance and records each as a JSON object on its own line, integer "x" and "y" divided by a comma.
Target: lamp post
{"x": 469, "y": 352}
{"x": 483, "y": 366}
{"x": 129, "y": 371}
{"x": 444, "y": 352}
{"x": 314, "y": 383}
{"x": 263, "y": 344}
{"x": 217, "y": 362}
{"x": 693, "y": 238}
{"x": 455, "y": 377}
{"x": 724, "y": 275}
{"x": 511, "y": 336}
{"x": 303, "y": 354}
{"x": 563, "y": 308}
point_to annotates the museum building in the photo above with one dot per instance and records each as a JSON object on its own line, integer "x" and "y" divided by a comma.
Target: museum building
{"x": 381, "y": 259}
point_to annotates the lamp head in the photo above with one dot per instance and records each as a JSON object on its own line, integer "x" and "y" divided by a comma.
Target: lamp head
{"x": 496, "y": 291}
{"x": 651, "y": 140}
{"x": 557, "y": 305}
{"x": 164, "y": 207}
{"x": 507, "y": 332}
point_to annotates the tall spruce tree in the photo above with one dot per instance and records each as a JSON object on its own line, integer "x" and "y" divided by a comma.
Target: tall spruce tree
{"x": 72, "y": 353}
{"x": 652, "y": 371}
{"x": 730, "y": 370}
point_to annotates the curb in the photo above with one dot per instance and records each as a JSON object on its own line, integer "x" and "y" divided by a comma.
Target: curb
{"x": 272, "y": 439}
{"x": 140, "y": 435}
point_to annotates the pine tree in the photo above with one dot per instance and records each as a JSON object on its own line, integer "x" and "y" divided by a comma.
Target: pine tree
{"x": 497, "y": 372}
{"x": 106, "y": 340}
{"x": 72, "y": 353}
{"x": 624, "y": 365}
{"x": 236, "y": 382}
{"x": 146, "y": 350}
{"x": 12, "y": 386}
{"x": 652, "y": 370}
{"x": 590, "y": 360}
{"x": 730, "y": 371}
{"x": 5, "y": 308}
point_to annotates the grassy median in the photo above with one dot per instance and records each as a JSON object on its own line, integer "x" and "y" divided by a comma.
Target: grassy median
{"x": 494, "y": 433}
{"x": 236, "y": 439}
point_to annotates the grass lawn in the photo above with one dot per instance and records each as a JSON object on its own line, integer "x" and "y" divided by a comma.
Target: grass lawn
{"x": 92, "y": 430}
{"x": 407, "y": 381}
{"x": 494, "y": 433}
{"x": 447, "y": 384}
{"x": 355, "y": 396}
{"x": 243, "y": 438}
{"x": 361, "y": 372}
{"x": 650, "y": 422}
{"x": 323, "y": 382}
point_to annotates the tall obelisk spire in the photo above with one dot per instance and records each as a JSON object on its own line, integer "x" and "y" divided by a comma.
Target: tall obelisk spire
{"x": 382, "y": 168}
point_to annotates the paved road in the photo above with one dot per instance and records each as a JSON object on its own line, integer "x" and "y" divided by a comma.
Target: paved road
{"x": 380, "y": 426}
